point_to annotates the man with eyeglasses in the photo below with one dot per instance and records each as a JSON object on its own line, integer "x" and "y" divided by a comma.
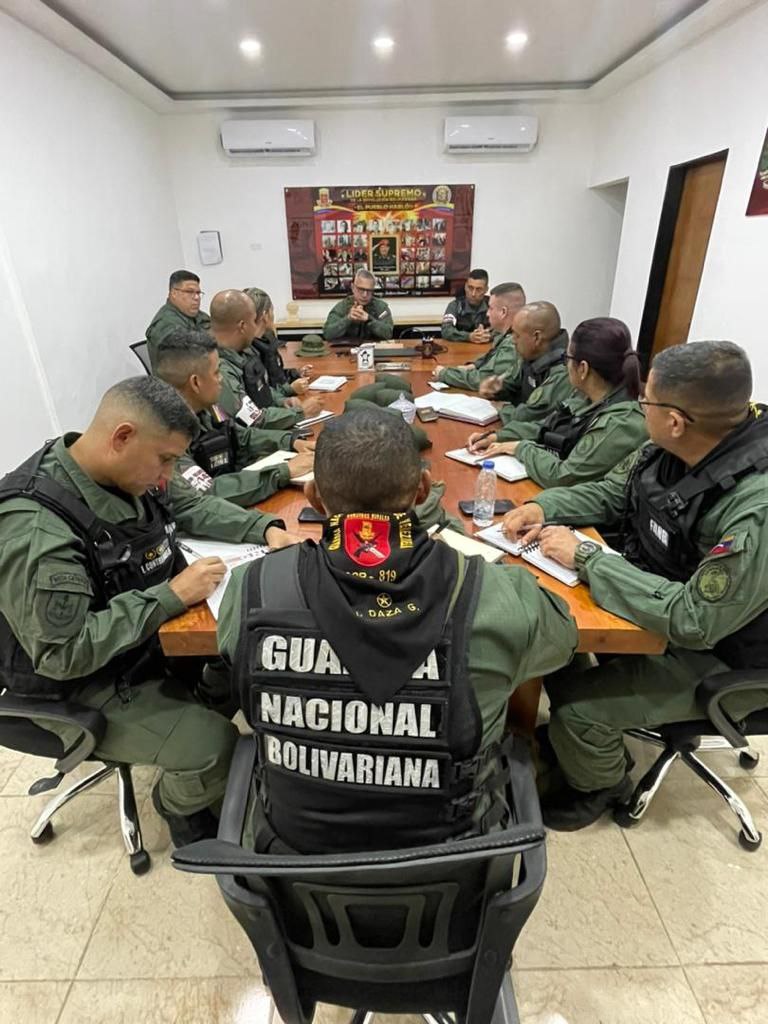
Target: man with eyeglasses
{"x": 362, "y": 315}
{"x": 693, "y": 510}
{"x": 181, "y": 309}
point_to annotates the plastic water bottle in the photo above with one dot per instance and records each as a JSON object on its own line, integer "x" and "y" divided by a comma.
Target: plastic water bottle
{"x": 405, "y": 407}
{"x": 485, "y": 495}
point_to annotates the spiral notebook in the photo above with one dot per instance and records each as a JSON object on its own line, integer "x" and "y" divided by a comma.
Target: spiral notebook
{"x": 531, "y": 553}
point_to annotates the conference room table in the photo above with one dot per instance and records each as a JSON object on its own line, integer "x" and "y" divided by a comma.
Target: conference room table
{"x": 403, "y": 322}
{"x": 600, "y": 632}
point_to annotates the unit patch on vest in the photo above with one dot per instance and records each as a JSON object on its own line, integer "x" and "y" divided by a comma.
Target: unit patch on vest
{"x": 156, "y": 556}
{"x": 391, "y": 770}
{"x": 366, "y": 539}
{"x": 713, "y": 582}
{"x": 658, "y": 531}
{"x": 219, "y": 460}
{"x": 198, "y": 478}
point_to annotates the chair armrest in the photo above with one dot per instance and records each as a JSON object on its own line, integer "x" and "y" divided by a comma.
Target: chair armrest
{"x": 91, "y": 723}
{"x": 714, "y": 689}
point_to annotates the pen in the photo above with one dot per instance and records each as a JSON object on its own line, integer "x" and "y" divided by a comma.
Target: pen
{"x": 482, "y": 437}
{"x": 185, "y": 547}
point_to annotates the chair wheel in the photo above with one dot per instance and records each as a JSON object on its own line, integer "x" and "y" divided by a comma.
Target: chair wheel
{"x": 747, "y": 844}
{"x": 45, "y": 836}
{"x": 622, "y": 817}
{"x": 748, "y": 761}
{"x": 140, "y": 862}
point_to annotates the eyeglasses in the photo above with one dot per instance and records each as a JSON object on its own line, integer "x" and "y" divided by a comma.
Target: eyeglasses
{"x": 189, "y": 291}
{"x": 365, "y": 291}
{"x": 667, "y": 405}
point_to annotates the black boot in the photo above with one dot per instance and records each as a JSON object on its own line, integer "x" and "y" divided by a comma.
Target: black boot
{"x": 572, "y": 809}
{"x": 186, "y": 828}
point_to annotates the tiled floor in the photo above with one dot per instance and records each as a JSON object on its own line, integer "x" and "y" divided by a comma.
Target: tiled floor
{"x": 665, "y": 923}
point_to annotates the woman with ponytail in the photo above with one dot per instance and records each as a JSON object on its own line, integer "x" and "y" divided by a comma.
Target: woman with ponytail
{"x": 594, "y": 429}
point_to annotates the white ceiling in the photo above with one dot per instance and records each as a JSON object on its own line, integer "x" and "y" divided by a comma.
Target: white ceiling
{"x": 190, "y": 49}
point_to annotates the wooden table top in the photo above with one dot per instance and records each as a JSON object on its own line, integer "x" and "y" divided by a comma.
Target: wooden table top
{"x": 311, "y": 323}
{"x": 194, "y": 633}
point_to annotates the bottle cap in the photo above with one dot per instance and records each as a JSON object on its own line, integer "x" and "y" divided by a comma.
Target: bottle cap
{"x": 488, "y": 464}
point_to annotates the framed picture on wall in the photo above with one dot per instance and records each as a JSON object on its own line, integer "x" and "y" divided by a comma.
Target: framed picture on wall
{"x": 758, "y": 198}
{"x": 384, "y": 254}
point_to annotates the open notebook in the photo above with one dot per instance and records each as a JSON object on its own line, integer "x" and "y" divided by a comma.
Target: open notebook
{"x": 326, "y": 414}
{"x": 468, "y": 408}
{"x": 231, "y": 554}
{"x": 467, "y": 545}
{"x": 275, "y": 459}
{"x": 507, "y": 466}
{"x": 531, "y": 553}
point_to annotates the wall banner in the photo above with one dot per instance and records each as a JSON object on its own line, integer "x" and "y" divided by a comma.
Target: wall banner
{"x": 416, "y": 239}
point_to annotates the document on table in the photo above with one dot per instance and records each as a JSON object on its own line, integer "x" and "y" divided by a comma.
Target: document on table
{"x": 232, "y": 555}
{"x": 467, "y": 408}
{"x": 326, "y": 414}
{"x": 276, "y": 459}
{"x": 467, "y": 545}
{"x": 532, "y": 553}
{"x": 507, "y": 466}
{"x": 438, "y": 385}
{"x": 327, "y": 382}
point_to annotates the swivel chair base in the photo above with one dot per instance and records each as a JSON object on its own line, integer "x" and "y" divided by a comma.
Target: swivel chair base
{"x": 673, "y": 747}
{"x": 42, "y": 830}
{"x": 505, "y": 1011}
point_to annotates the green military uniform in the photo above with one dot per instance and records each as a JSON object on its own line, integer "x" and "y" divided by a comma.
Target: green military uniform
{"x": 461, "y": 318}
{"x": 168, "y": 318}
{"x": 616, "y": 431}
{"x": 246, "y": 487}
{"x": 501, "y": 360}
{"x": 532, "y": 393}
{"x": 273, "y": 417}
{"x": 41, "y": 556}
{"x": 591, "y": 709}
{"x": 252, "y": 442}
{"x": 378, "y": 327}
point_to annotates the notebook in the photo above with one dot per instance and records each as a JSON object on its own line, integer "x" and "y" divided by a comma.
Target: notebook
{"x": 231, "y": 554}
{"x": 275, "y": 459}
{"x": 507, "y": 466}
{"x": 532, "y": 554}
{"x": 438, "y": 385}
{"x": 327, "y": 382}
{"x": 467, "y": 545}
{"x": 467, "y": 408}
{"x": 326, "y": 414}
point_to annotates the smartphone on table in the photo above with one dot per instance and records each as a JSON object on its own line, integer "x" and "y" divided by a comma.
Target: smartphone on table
{"x": 500, "y": 507}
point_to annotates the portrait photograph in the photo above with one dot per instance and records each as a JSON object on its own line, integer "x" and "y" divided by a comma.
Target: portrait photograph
{"x": 384, "y": 254}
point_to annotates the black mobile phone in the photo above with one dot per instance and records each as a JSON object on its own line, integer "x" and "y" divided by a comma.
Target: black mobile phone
{"x": 500, "y": 507}
{"x": 427, "y": 415}
{"x": 310, "y": 515}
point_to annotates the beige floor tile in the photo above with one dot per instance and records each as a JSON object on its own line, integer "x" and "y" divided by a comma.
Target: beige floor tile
{"x": 51, "y": 895}
{"x": 9, "y": 760}
{"x": 171, "y": 1001}
{"x": 639, "y": 996}
{"x": 166, "y": 924}
{"x": 595, "y": 910}
{"x": 733, "y": 993}
{"x": 29, "y": 769}
{"x": 711, "y": 894}
{"x": 32, "y": 1002}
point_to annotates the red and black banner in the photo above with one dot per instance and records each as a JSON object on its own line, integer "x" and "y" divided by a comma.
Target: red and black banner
{"x": 416, "y": 239}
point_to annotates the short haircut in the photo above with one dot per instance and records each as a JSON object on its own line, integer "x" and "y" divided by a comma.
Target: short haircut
{"x": 181, "y": 353}
{"x": 711, "y": 378}
{"x": 367, "y": 461}
{"x": 481, "y": 275}
{"x": 366, "y": 274}
{"x": 507, "y": 288}
{"x": 544, "y": 317}
{"x": 148, "y": 398}
{"x": 260, "y": 299}
{"x": 228, "y": 308}
{"x": 180, "y": 276}
{"x": 606, "y": 344}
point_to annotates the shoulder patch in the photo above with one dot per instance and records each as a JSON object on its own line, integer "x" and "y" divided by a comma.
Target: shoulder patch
{"x": 729, "y": 544}
{"x": 586, "y": 444}
{"x": 713, "y": 581}
{"x": 536, "y": 394}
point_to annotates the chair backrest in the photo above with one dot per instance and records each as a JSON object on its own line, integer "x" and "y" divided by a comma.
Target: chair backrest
{"x": 19, "y": 728}
{"x": 402, "y": 931}
{"x": 139, "y": 349}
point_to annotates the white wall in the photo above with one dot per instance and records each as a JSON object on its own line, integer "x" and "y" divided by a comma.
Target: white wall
{"x": 89, "y": 222}
{"x": 535, "y": 219}
{"x": 711, "y": 96}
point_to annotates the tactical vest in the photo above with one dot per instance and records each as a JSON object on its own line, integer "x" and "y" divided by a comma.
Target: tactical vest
{"x": 469, "y": 317}
{"x": 215, "y": 449}
{"x": 273, "y": 361}
{"x": 256, "y": 381}
{"x": 666, "y": 500}
{"x": 336, "y": 770}
{"x": 118, "y": 558}
{"x": 534, "y": 374}
{"x": 563, "y": 429}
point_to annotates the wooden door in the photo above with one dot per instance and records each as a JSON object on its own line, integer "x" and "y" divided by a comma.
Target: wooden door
{"x": 696, "y": 212}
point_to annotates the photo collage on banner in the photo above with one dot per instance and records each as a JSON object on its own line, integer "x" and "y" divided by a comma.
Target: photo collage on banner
{"x": 415, "y": 239}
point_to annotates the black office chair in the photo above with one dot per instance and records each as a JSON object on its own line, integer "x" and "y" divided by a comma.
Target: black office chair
{"x": 426, "y": 930}
{"x": 19, "y": 731}
{"x": 718, "y": 729}
{"x": 139, "y": 349}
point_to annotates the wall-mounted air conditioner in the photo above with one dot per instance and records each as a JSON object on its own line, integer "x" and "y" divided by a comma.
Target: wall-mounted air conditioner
{"x": 512, "y": 134}
{"x": 268, "y": 138}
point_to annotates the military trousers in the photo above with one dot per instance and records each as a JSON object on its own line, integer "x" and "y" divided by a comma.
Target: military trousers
{"x": 590, "y": 709}
{"x": 164, "y": 725}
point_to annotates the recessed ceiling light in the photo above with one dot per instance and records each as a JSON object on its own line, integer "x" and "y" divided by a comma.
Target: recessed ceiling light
{"x": 383, "y": 44}
{"x": 517, "y": 41}
{"x": 250, "y": 47}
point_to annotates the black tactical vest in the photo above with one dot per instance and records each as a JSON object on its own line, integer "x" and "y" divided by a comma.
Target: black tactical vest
{"x": 336, "y": 770}
{"x": 563, "y": 429}
{"x": 469, "y": 317}
{"x": 273, "y": 361}
{"x": 666, "y": 500}
{"x": 535, "y": 373}
{"x": 118, "y": 558}
{"x": 256, "y": 380}
{"x": 215, "y": 449}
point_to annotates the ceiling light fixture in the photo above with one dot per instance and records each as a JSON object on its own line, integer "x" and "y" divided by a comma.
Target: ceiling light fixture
{"x": 383, "y": 44}
{"x": 250, "y": 47}
{"x": 517, "y": 41}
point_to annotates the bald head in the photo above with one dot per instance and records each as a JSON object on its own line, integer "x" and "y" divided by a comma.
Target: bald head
{"x": 228, "y": 308}
{"x": 542, "y": 317}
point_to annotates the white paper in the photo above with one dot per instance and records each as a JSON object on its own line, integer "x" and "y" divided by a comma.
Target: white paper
{"x": 326, "y": 414}
{"x": 249, "y": 413}
{"x": 438, "y": 385}
{"x": 232, "y": 555}
{"x": 276, "y": 459}
{"x": 468, "y": 408}
{"x": 327, "y": 382}
{"x": 464, "y": 543}
{"x": 209, "y": 247}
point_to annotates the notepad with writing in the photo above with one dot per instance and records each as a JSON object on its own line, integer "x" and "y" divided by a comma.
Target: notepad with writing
{"x": 532, "y": 553}
{"x": 275, "y": 459}
{"x": 468, "y": 408}
{"x": 506, "y": 466}
{"x": 232, "y": 555}
{"x": 327, "y": 382}
{"x": 467, "y": 545}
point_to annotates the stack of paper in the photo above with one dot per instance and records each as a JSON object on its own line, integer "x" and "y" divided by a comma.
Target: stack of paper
{"x": 327, "y": 382}
{"x": 506, "y": 466}
{"x": 326, "y": 414}
{"x": 438, "y": 385}
{"x": 467, "y": 408}
{"x": 276, "y": 459}
{"x": 232, "y": 555}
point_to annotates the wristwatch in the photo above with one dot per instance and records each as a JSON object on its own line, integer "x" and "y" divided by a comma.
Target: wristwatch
{"x": 584, "y": 551}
